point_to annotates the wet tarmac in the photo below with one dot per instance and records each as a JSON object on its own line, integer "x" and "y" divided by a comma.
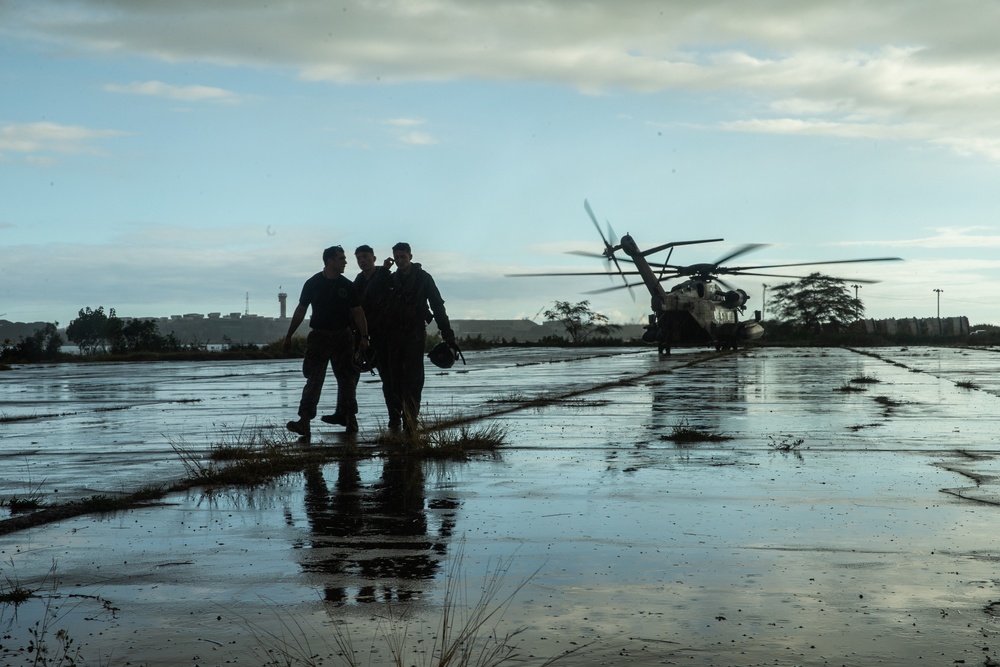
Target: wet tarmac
{"x": 846, "y": 513}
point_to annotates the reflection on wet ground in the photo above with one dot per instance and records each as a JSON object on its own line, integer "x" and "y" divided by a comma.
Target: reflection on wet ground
{"x": 845, "y": 514}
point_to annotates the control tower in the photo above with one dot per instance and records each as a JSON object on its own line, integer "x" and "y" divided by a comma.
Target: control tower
{"x": 283, "y": 300}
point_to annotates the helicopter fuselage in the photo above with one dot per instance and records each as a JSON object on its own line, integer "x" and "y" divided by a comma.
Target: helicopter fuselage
{"x": 694, "y": 311}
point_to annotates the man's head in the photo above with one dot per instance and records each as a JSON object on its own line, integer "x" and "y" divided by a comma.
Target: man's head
{"x": 365, "y": 257}
{"x": 402, "y": 256}
{"x": 334, "y": 259}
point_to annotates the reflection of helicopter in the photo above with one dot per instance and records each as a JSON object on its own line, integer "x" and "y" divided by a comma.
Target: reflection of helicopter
{"x": 702, "y": 310}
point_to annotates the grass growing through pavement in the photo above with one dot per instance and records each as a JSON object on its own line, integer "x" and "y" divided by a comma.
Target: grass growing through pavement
{"x": 458, "y": 443}
{"x": 465, "y": 633}
{"x": 683, "y": 433}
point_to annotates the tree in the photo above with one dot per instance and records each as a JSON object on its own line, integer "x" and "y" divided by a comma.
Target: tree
{"x": 138, "y": 336}
{"x": 815, "y": 300}
{"x": 92, "y": 330}
{"x": 579, "y": 320}
{"x": 43, "y": 344}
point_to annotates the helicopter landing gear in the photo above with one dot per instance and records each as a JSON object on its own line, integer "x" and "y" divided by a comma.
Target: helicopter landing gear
{"x": 663, "y": 349}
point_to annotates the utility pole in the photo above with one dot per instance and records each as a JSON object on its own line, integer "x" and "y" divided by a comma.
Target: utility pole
{"x": 763, "y": 302}
{"x": 939, "y": 308}
{"x": 857, "y": 303}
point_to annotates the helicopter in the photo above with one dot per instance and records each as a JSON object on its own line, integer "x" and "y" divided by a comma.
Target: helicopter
{"x": 702, "y": 309}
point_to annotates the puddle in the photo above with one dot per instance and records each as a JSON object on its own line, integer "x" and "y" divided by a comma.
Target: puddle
{"x": 829, "y": 527}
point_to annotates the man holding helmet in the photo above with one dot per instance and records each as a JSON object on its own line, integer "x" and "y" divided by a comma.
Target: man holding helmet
{"x": 415, "y": 301}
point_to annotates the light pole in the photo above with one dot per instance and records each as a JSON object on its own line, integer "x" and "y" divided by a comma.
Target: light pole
{"x": 939, "y": 308}
{"x": 857, "y": 303}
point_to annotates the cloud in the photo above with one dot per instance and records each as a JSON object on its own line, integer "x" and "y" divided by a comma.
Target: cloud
{"x": 418, "y": 139}
{"x": 404, "y": 122}
{"x": 37, "y": 139}
{"x": 944, "y": 237}
{"x": 893, "y": 70}
{"x": 182, "y": 93}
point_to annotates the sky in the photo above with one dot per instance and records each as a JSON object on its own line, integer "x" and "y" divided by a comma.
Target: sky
{"x": 196, "y": 156}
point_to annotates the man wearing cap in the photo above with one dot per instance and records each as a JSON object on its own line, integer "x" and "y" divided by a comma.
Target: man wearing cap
{"x": 336, "y": 311}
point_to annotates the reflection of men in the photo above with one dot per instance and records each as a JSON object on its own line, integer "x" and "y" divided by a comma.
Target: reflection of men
{"x": 372, "y": 285}
{"x": 416, "y": 301}
{"x": 335, "y": 307}
{"x": 372, "y": 540}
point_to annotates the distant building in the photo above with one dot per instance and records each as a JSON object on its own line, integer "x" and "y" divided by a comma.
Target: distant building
{"x": 923, "y": 326}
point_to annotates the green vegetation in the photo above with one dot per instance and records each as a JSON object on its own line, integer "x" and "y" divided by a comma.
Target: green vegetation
{"x": 579, "y": 320}
{"x": 466, "y": 633}
{"x": 684, "y": 434}
{"x": 784, "y": 443}
{"x": 815, "y": 301}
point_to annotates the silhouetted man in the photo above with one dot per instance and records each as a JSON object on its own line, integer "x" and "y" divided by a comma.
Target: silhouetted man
{"x": 415, "y": 301}
{"x": 336, "y": 310}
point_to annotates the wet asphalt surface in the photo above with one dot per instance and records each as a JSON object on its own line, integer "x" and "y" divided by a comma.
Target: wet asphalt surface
{"x": 827, "y": 527}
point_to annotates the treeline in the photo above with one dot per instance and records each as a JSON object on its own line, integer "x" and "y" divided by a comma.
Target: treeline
{"x": 101, "y": 335}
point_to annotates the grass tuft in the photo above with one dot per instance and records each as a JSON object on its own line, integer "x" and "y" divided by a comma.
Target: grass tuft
{"x": 682, "y": 433}
{"x": 787, "y": 443}
{"x": 458, "y": 443}
{"x": 967, "y": 384}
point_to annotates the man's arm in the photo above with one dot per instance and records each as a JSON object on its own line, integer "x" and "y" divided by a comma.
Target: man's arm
{"x": 438, "y": 311}
{"x": 297, "y": 317}
{"x": 361, "y": 324}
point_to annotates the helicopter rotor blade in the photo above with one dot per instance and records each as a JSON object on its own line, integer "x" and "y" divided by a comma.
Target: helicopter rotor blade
{"x": 742, "y": 250}
{"x": 613, "y": 288}
{"x": 778, "y": 275}
{"x": 672, "y": 245}
{"x": 597, "y": 225}
{"x": 724, "y": 284}
{"x": 566, "y": 273}
{"x": 836, "y": 261}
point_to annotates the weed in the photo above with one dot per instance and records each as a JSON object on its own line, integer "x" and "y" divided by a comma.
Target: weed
{"x": 102, "y": 502}
{"x": 449, "y": 443}
{"x": 967, "y": 384}
{"x": 467, "y": 634}
{"x": 848, "y": 387}
{"x": 13, "y": 592}
{"x": 787, "y": 443}
{"x": 29, "y": 502}
{"x": 865, "y": 379}
{"x": 251, "y": 456}
{"x": 509, "y": 397}
{"x": 682, "y": 433}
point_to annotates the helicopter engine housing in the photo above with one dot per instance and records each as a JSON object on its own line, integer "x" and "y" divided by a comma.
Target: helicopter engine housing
{"x": 735, "y": 298}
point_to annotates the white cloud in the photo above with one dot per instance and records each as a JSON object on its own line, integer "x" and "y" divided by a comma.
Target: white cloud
{"x": 945, "y": 237}
{"x": 418, "y": 139}
{"x": 183, "y": 93}
{"x": 404, "y": 122}
{"x": 37, "y": 139}
{"x": 893, "y": 69}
